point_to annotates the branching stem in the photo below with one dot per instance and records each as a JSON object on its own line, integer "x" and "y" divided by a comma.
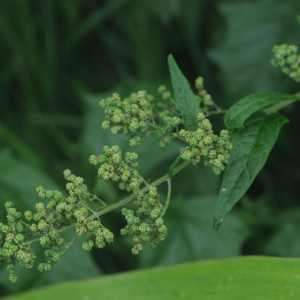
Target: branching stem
{"x": 124, "y": 201}
{"x": 168, "y": 197}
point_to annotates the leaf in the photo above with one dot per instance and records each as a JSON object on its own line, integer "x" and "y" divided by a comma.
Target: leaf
{"x": 18, "y": 182}
{"x": 298, "y": 19}
{"x": 243, "y": 109}
{"x": 251, "y": 147}
{"x": 191, "y": 236}
{"x": 184, "y": 97}
{"x": 285, "y": 240}
{"x": 173, "y": 166}
{"x": 244, "y": 53}
{"x": 246, "y": 278}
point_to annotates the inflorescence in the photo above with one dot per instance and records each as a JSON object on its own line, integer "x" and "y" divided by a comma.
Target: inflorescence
{"x": 47, "y": 223}
{"x": 136, "y": 117}
{"x": 287, "y": 60}
{"x": 204, "y": 144}
{"x": 146, "y": 223}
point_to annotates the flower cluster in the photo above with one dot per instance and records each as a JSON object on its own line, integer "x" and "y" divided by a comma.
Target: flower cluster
{"x": 145, "y": 223}
{"x": 204, "y": 99}
{"x": 115, "y": 168}
{"x": 166, "y": 132}
{"x": 287, "y": 60}
{"x": 204, "y": 144}
{"x": 167, "y": 106}
{"x": 12, "y": 237}
{"x": 47, "y": 223}
{"x": 128, "y": 117}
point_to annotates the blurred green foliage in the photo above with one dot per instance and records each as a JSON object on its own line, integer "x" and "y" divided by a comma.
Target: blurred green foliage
{"x": 59, "y": 58}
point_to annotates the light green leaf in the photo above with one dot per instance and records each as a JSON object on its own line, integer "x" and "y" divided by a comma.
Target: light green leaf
{"x": 191, "y": 236}
{"x": 184, "y": 97}
{"x": 251, "y": 147}
{"x": 243, "y": 278}
{"x": 173, "y": 166}
{"x": 243, "y": 109}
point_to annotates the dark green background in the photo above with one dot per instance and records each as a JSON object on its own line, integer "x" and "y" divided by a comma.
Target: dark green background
{"x": 59, "y": 58}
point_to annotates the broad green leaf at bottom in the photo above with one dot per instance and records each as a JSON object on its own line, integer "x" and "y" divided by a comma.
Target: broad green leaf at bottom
{"x": 242, "y": 278}
{"x": 251, "y": 147}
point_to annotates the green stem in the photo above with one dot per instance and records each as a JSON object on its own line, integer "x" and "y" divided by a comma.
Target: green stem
{"x": 154, "y": 126}
{"x": 122, "y": 202}
{"x": 216, "y": 112}
{"x": 146, "y": 188}
{"x": 36, "y": 239}
{"x": 168, "y": 197}
{"x": 275, "y": 107}
{"x": 145, "y": 182}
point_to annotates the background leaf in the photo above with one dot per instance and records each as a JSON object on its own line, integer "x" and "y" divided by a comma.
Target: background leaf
{"x": 191, "y": 236}
{"x": 251, "y": 147}
{"x": 246, "y": 278}
{"x": 285, "y": 240}
{"x": 184, "y": 97}
{"x": 252, "y": 28}
{"x": 244, "y": 108}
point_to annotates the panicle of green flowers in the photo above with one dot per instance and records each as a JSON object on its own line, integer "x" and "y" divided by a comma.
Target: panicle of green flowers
{"x": 166, "y": 132}
{"x": 169, "y": 117}
{"x": 115, "y": 168}
{"x": 203, "y": 143}
{"x": 204, "y": 99}
{"x": 167, "y": 106}
{"x": 12, "y": 236}
{"x": 145, "y": 223}
{"x": 133, "y": 115}
{"x": 128, "y": 117}
{"x": 287, "y": 60}
{"x": 48, "y": 222}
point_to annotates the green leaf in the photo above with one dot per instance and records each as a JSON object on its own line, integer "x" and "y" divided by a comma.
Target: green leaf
{"x": 285, "y": 240}
{"x": 298, "y": 19}
{"x": 251, "y": 147}
{"x": 242, "y": 278}
{"x": 174, "y": 164}
{"x": 243, "y": 109}
{"x": 184, "y": 97}
{"x": 191, "y": 236}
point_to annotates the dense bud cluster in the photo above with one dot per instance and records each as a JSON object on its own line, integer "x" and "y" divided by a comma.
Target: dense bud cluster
{"x": 131, "y": 117}
{"x": 204, "y": 99}
{"x": 166, "y": 132}
{"x": 287, "y": 60}
{"x": 145, "y": 224}
{"x": 128, "y": 117}
{"x": 115, "y": 168}
{"x": 167, "y": 105}
{"x": 135, "y": 115}
{"x": 47, "y": 223}
{"x": 204, "y": 144}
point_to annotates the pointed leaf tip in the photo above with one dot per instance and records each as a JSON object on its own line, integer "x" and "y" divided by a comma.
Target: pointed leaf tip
{"x": 251, "y": 147}
{"x": 184, "y": 97}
